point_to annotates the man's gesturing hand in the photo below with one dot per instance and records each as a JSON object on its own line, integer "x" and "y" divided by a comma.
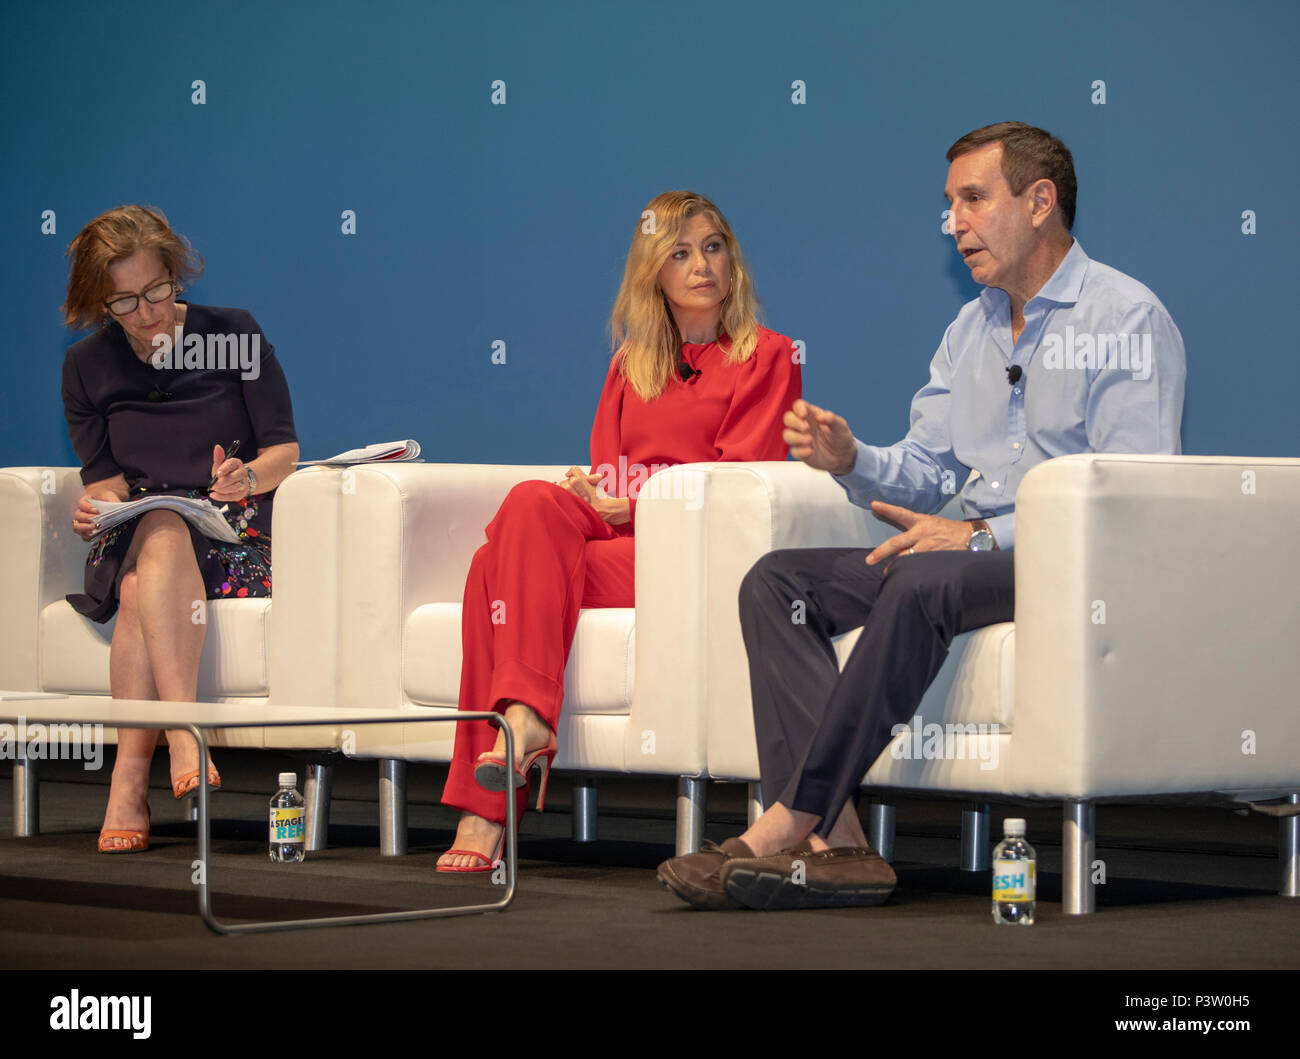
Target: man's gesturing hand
{"x": 820, "y": 438}
{"x": 921, "y": 533}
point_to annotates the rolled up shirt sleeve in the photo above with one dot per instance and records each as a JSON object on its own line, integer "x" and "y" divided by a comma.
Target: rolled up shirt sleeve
{"x": 921, "y": 472}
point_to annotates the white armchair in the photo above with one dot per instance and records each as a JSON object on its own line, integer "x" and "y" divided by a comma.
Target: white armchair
{"x": 1153, "y": 650}
{"x": 46, "y": 646}
{"x": 638, "y": 682}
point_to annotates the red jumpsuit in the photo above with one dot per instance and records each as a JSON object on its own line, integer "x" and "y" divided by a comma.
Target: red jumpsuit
{"x": 548, "y": 553}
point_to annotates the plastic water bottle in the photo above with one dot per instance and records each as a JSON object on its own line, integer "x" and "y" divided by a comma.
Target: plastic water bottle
{"x": 288, "y": 822}
{"x": 1014, "y": 876}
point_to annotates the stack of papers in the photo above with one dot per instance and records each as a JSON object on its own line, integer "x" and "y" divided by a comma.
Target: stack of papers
{"x": 384, "y": 452}
{"x": 200, "y": 513}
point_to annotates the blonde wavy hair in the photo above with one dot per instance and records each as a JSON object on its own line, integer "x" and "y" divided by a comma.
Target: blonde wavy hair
{"x": 646, "y": 343}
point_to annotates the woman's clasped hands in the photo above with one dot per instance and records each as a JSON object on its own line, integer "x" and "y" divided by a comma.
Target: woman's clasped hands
{"x": 614, "y": 510}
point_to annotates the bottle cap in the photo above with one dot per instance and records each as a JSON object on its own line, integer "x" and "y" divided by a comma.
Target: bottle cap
{"x": 1013, "y": 826}
{"x": 290, "y": 779}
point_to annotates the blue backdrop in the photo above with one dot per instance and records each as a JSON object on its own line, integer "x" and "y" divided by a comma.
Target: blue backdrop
{"x": 479, "y": 222}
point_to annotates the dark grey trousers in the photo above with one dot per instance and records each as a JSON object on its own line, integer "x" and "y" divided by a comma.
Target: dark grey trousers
{"x": 820, "y": 729}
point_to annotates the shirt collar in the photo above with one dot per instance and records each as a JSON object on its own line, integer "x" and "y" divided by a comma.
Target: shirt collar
{"x": 1066, "y": 283}
{"x": 1064, "y": 286}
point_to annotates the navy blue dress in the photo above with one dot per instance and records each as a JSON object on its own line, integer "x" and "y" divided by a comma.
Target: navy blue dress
{"x": 157, "y": 428}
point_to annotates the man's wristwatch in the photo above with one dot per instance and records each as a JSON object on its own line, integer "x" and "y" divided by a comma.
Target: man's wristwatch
{"x": 252, "y": 481}
{"x": 981, "y": 540}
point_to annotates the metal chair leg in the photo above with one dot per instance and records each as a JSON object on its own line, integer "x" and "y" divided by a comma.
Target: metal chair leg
{"x": 27, "y": 801}
{"x": 881, "y": 817}
{"x": 692, "y": 792}
{"x": 975, "y": 837}
{"x": 584, "y": 809}
{"x": 1078, "y": 844}
{"x": 754, "y": 809}
{"x": 392, "y": 807}
{"x": 320, "y": 782}
{"x": 1289, "y": 852}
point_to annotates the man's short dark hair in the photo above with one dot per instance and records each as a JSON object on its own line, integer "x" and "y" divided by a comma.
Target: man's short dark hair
{"x": 1028, "y": 154}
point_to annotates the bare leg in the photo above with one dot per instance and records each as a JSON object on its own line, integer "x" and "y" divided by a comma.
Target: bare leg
{"x": 130, "y": 678}
{"x": 155, "y": 655}
{"x": 847, "y": 830}
{"x": 530, "y": 731}
{"x": 169, "y": 587}
{"x": 475, "y": 833}
{"x": 781, "y": 828}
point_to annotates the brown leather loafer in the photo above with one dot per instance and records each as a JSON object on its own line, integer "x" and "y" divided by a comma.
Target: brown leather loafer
{"x": 697, "y": 877}
{"x": 848, "y": 877}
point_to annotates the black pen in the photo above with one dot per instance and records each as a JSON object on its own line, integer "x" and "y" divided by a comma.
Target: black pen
{"x": 230, "y": 455}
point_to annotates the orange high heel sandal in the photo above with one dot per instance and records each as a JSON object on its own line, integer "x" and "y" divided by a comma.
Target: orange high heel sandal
{"x": 136, "y": 841}
{"x": 189, "y": 783}
{"x": 490, "y": 772}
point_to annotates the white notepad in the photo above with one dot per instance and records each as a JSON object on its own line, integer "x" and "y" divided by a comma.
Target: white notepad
{"x": 384, "y": 452}
{"x": 199, "y": 512}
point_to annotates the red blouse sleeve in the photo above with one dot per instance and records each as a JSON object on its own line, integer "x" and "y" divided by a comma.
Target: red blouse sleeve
{"x": 770, "y": 382}
{"x": 607, "y": 434}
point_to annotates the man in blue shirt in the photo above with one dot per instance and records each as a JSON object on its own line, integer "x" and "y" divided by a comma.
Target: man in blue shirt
{"x": 1059, "y": 354}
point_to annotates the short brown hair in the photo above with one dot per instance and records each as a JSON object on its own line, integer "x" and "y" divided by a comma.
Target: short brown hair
{"x": 1028, "y": 154}
{"x": 112, "y": 237}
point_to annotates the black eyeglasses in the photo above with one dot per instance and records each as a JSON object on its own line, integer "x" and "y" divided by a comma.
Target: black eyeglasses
{"x": 158, "y": 293}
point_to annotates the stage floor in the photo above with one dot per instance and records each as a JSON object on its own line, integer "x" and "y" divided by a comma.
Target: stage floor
{"x": 1192, "y": 886}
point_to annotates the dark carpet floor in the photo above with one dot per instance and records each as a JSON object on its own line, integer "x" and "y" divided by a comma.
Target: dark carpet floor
{"x": 1190, "y": 886}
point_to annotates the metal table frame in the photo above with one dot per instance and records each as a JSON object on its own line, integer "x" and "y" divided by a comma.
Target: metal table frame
{"x": 509, "y": 849}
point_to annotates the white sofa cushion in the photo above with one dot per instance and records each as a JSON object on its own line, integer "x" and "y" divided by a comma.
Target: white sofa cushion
{"x": 597, "y": 680}
{"x": 977, "y": 682}
{"x": 235, "y": 663}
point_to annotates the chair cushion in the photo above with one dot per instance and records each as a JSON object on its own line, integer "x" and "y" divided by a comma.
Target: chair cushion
{"x": 977, "y": 682}
{"x": 235, "y": 662}
{"x": 597, "y": 680}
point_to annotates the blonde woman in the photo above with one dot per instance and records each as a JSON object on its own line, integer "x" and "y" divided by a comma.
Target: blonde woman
{"x": 694, "y": 378}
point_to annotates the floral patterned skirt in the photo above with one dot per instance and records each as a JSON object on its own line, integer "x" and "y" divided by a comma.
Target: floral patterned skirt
{"x": 229, "y": 571}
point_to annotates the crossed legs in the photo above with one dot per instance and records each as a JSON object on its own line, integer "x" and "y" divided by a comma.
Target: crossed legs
{"x": 155, "y": 655}
{"x": 475, "y": 833}
{"x": 548, "y": 554}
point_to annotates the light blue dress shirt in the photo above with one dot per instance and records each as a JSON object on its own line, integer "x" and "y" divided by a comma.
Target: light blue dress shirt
{"x": 1103, "y": 370}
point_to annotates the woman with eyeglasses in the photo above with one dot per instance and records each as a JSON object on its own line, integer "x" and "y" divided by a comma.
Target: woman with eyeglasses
{"x": 158, "y": 400}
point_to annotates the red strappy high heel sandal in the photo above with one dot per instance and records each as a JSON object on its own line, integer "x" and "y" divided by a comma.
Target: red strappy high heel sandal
{"x": 491, "y": 774}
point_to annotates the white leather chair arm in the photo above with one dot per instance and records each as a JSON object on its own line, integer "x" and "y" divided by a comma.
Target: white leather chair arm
{"x": 41, "y": 561}
{"x": 1157, "y": 622}
{"x": 706, "y": 525}
{"x": 305, "y": 597}
{"x": 407, "y": 533}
